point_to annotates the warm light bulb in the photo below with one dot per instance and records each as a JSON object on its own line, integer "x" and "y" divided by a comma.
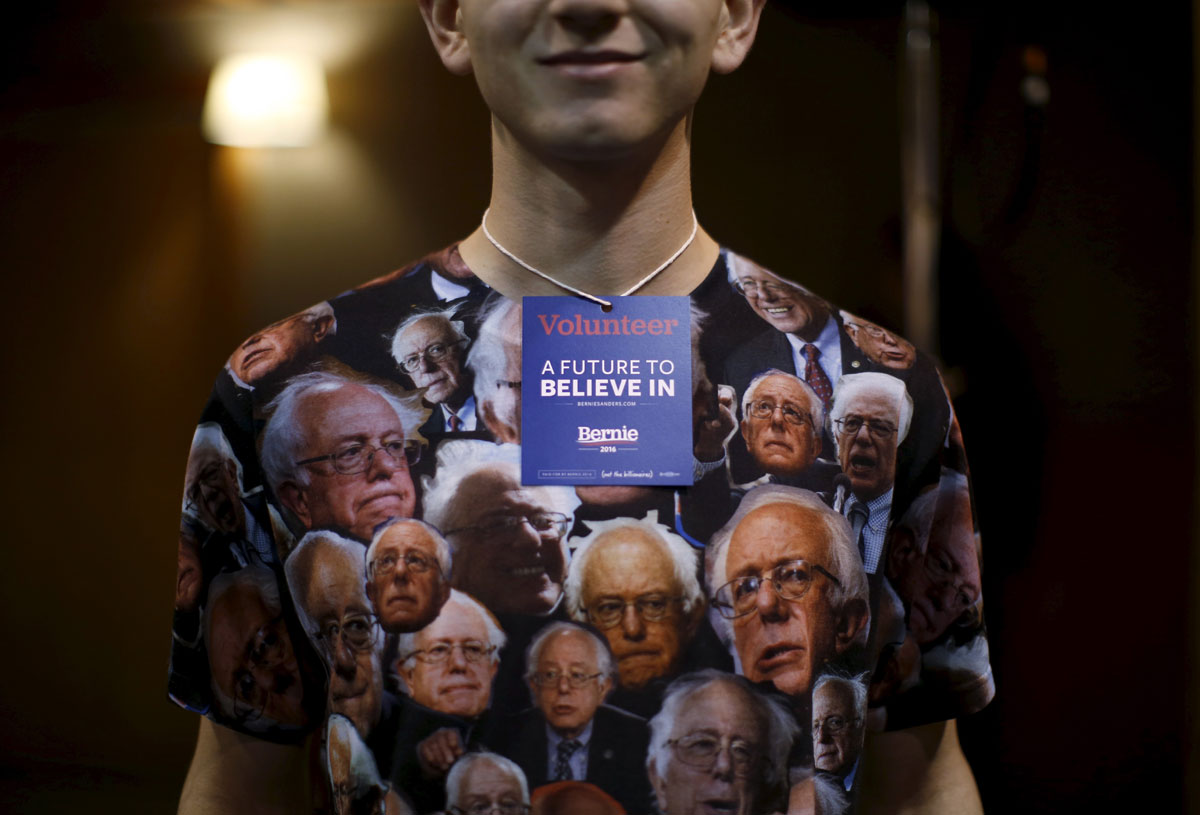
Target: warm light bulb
{"x": 262, "y": 100}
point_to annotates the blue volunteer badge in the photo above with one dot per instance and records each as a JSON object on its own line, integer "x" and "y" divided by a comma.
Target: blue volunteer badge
{"x": 606, "y": 397}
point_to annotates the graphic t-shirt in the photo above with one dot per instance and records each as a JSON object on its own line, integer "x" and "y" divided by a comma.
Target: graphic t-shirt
{"x": 352, "y": 561}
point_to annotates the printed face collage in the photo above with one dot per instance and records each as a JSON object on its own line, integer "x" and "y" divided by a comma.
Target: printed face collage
{"x": 359, "y": 557}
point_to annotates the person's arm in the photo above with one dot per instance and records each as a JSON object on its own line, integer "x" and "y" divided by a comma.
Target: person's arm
{"x": 919, "y": 771}
{"x": 243, "y": 775}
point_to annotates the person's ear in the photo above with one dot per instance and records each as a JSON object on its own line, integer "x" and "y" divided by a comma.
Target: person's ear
{"x": 659, "y": 785}
{"x": 321, "y": 326}
{"x": 443, "y": 18}
{"x": 852, "y": 620}
{"x": 739, "y": 25}
{"x": 405, "y": 675}
{"x": 694, "y": 617}
{"x": 292, "y": 496}
{"x": 606, "y": 686}
{"x": 231, "y": 468}
{"x": 903, "y": 553}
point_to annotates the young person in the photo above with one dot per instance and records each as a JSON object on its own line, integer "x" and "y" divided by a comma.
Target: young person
{"x": 591, "y": 104}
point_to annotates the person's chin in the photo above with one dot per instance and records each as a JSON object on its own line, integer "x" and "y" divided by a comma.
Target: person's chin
{"x": 409, "y": 619}
{"x": 826, "y": 762}
{"x": 352, "y": 707}
{"x": 637, "y": 669}
{"x": 612, "y": 496}
{"x": 783, "y": 464}
{"x": 384, "y": 508}
{"x": 463, "y": 701}
{"x": 595, "y": 132}
{"x": 397, "y": 622}
{"x": 791, "y": 676}
{"x": 437, "y": 394}
{"x": 863, "y": 479}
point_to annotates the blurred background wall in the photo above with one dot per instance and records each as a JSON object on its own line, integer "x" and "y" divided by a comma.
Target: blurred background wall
{"x": 135, "y": 256}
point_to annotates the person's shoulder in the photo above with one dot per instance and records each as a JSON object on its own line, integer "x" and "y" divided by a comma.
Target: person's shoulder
{"x": 447, "y": 263}
{"x": 517, "y": 734}
{"x": 616, "y": 717}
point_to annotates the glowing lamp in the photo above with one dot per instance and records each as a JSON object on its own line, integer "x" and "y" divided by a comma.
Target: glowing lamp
{"x": 265, "y": 100}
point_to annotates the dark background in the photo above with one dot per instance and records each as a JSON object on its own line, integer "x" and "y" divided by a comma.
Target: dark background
{"x": 135, "y": 256}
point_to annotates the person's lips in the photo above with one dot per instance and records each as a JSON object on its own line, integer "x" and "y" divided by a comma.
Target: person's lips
{"x": 343, "y": 690}
{"x": 777, "y": 656}
{"x": 384, "y": 499}
{"x": 459, "y": 688}
{"x": 590, "y": 64}
{"x": 527, "y": 572}
{"x": 719, "y": 806}
{"x": 248, "y": 359}
{"x": 590, "y": 57}
{"x": 860, "y": 463}
{"x": 259, "y": 357}
{"x": 403, "y": 600}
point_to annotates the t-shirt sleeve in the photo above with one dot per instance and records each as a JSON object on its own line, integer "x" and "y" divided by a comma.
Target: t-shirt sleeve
{"x": 933, "y": 662}
{"x": 238, "y": 654}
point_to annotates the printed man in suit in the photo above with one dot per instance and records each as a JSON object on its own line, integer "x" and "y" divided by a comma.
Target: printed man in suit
{"x": 570, "y": 734}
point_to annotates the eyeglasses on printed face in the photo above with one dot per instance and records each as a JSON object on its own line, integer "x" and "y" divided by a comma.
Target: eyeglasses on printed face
{"x": 433, "y": 353}
{"x": 791, "y": 581}
{"x": 752, "y": 289}
{"x": 850, "y": 425}
{"x": 414, "y": 562}
{"x": 357, "y": 458}
{"x": 551, "y": 678}
{"x": 472, "y": 651}
{"x": 873, "y": 330}
{"x": 943, "y": 572}
{"x": 206, "y": 487}
{"x": 608, "y": 611}
{"x": 764, "y": 409}
{"x": 356, "y": 630}
{"x": 832, "y": 724}
{"x": 492, "y": 808}
{"x": 546, "y": 524}
{"x": 700, "y": 750}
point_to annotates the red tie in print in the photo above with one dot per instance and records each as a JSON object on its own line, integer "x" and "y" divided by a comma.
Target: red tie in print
{"x": 814, "y": 376}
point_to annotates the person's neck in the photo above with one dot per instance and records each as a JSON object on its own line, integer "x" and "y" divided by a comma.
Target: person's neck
{"x": 598, "y": 225}
{"x": 569, "y": 733}
{"x": 456, "y": 400}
